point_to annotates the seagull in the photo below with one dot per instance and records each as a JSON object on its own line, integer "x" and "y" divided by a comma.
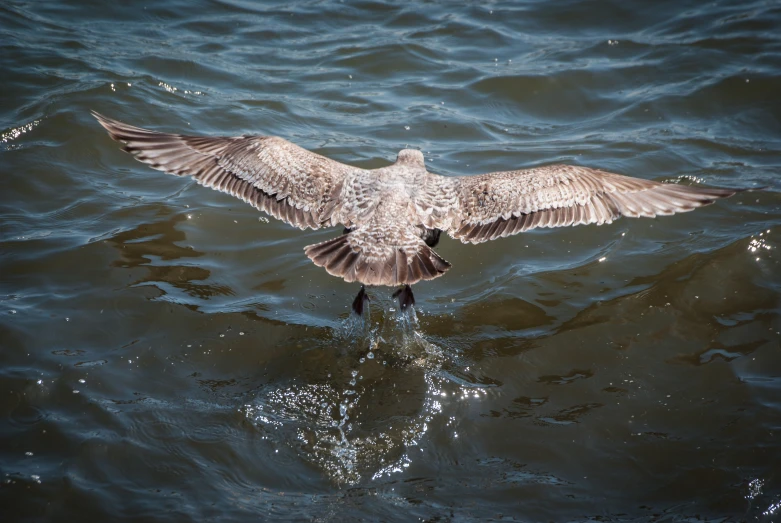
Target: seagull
{"x": 393, "y": 216}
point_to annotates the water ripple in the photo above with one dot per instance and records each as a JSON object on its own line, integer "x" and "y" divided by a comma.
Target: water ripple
{"x": 627, "y": 372}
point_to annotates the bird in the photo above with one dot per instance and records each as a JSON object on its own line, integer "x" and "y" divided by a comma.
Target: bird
{"x": 393, "y": 216}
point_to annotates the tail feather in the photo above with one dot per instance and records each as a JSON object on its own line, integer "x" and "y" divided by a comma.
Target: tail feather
{"x": 400, "y": 265}
{"x": 341, "y": 259}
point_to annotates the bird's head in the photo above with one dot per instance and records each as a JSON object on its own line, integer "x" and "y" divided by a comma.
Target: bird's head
{"x": 410, "y": 156}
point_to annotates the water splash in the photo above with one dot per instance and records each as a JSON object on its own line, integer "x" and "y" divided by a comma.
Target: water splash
{"x": 363, "y": 421}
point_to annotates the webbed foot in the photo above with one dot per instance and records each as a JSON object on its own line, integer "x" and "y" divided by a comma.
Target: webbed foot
{"x": 405, "y": 296}
{"x": 359, "y": 301}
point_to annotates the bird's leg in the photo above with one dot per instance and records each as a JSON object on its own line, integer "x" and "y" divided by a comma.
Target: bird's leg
{"x": 405, "y": 296}
{"x": 431, "y": 237}
{"x": 359, "y": 301}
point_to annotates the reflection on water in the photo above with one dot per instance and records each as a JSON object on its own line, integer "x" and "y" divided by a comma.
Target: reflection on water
{"x": 157, "y": 247}
{"x": 154, "y": 246}
{"x": 157, "y": 239}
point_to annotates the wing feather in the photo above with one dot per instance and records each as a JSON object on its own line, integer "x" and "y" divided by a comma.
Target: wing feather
{"x": 270, "y": 173}
{"x": 495, "y": 205}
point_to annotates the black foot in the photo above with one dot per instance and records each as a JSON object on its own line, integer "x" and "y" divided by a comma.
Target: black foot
{"x": 405, "y": 296}
{"x": 359, "y": 301}
{"x": 432, "y": 237}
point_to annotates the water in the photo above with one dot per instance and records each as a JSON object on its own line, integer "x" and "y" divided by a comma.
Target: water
{"x": 170, "y": 355}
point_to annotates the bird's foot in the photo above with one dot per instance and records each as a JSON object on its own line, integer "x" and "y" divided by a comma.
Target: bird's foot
{"x": 359, "y": 301}
{"x": 405, "y": 296}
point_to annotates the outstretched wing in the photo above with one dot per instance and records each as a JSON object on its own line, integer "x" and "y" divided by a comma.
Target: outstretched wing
{"x": 270, "y": 173}
{"x": 500, "y": 204}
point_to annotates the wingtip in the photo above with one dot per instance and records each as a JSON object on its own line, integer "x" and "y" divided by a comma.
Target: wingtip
{"x": 120, "y": 131}
{"x": 104, "y": 121}
{"x": 99, "y": 117}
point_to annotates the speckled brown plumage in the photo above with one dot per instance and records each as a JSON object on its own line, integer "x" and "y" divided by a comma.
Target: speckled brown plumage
{"x": 391, "y": 212}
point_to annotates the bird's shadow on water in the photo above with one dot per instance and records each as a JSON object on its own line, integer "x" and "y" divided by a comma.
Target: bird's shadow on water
{"x": 364, "y": 420}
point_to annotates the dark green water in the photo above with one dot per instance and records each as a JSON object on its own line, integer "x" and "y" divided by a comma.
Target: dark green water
{"x": 166, "y": 355}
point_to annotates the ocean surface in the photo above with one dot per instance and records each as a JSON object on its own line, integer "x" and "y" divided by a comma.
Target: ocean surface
{"x": 167, "y": 353}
